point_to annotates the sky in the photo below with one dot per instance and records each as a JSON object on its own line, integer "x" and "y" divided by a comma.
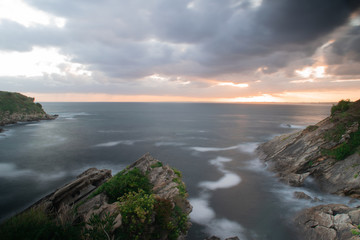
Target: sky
{"x": 181, "y": 50}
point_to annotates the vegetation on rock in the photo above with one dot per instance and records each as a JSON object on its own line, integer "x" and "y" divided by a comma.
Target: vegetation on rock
{"x": 346, "y": 118}
{"x": 140, "y": 202}
{"x": 123, "y": 183}
{"x": 16, "y": 102}
{"x": 15, "y": 107}
{"x": 35, "y": 224}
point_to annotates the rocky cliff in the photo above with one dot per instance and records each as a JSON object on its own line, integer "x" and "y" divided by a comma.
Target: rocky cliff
{"x": 147, "y": 200}
{"x": 15, "y": 107}
{"x": 329, "y": 153}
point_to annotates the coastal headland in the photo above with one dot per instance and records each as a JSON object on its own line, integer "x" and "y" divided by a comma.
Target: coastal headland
{"x": 329, "y": 153}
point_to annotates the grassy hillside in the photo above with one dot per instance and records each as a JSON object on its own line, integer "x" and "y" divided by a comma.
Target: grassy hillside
{"x": 17, "y": 103}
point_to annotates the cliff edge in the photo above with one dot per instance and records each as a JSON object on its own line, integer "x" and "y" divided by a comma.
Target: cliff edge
{"x": 328, "y": 152}
{"x": 147, "y": 200}
{"x": 15, "y": 107}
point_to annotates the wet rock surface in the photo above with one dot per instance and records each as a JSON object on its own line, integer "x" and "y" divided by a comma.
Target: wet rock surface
{"x": 331, "y": 222}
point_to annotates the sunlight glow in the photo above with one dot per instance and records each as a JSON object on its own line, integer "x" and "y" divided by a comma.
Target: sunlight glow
{"x": 20, "y": 12}
{"x": 256, "y": 99}
{"x": 316, "y": 72}
{"x": 240, "y": 85}
{"x": 37, "y": 62}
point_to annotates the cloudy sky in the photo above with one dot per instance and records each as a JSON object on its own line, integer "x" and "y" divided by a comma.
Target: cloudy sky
{"x": 181, "y": 50}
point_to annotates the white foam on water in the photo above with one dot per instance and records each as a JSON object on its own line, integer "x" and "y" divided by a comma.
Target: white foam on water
{"x": 225, "y": 228}
{"x": 115, "y": 143}
{"x": 285, "y": 194}
{"x": 249, "y": 147}
{"x": 9, "y": 170}
{"x": 287, "y": 125}
{"x": 72, "y": 116}
{"x": 32, "y": 124}
{"x": 6, "y": 133}
{"x": 256, "y": 165}
{"x": 171, "y": 144}
{"x": 213, "y": 149}
{"x": 229, "y": 179}
{"x": 201, "y": 213}
{"x": 204, "y": 215}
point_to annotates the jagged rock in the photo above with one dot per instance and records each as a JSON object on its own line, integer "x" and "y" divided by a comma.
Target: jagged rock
{"x": 76, "y": 194}
{"x": 75, "y": 191}
{"x": 297, "y": 155}
{"x": 302, "y": 195}
{"x": 293, "y": 179}
{"x": 333, "y": 221}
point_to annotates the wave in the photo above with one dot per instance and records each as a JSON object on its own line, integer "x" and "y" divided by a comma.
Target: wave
{"x": 9, "y": 170}
{"x": 204, "y": 215}
{"x": 287, "y": 125}
{"x": 213, "y": 149}
{"x": 229, "y": 179}
{"x": 243, "y": 147}
{"x": 72, "y": 116}
{"x": 115, "y": 143}
{"x": 172, "y": 144}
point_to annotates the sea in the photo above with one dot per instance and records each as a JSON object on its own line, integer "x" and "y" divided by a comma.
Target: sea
{"x": 213, "y": 145}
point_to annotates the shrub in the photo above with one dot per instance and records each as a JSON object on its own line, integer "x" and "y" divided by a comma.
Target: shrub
{"x": 137, "y": 210}
{"x": 311, "y": 128}
{"x": 123, "y": 183}
{"x": 34, "y": 224}
{"x": 181, "y": 187}
{"x": 155, "y": 165}
{"x": 100, "y": 227}
{"x": 341, "y": 107}
{"x": 345, "y": 149}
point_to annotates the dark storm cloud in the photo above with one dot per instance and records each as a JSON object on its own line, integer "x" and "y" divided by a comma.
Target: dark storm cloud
{"x": 348, "y": 46}
{"x": 203, "y": 38}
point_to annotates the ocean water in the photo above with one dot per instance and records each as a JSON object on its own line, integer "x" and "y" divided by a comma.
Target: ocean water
{"x": 212, "y": 144}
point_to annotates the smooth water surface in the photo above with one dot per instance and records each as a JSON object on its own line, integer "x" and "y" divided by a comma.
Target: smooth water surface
{"x": 212, "y": 144}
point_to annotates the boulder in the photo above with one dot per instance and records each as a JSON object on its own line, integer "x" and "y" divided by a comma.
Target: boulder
{"x": 333, "y": 221}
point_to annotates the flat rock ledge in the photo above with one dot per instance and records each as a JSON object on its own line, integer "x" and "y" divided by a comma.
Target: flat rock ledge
{"x": 328, "y": 222}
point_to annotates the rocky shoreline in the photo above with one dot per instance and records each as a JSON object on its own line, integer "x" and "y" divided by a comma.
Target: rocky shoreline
{"x": 89, "y": 206}
{"x": 328, "y": 153}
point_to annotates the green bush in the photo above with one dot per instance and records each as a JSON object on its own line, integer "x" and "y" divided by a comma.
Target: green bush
{"x": 181, "y": 187}
{"x": 123, "y": 183}
{"x": 34, "y": 224}
{"x": 137, "y": 209}
{"x": 100, "y": 227}
{"x": 341, "y": 107}
{"x": 345, "y": 149}
{"x": 16, "y": 102}
{"x": 155, "y": 165}
{"x": 311, "y": 128}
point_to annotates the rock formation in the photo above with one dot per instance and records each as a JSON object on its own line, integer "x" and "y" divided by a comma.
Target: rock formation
{"x": 329, "y": 153}
{"x": 15, "y": 107}
{"x": 313, "y": 152}
{"x": 329, "y": 222}
{"x": 87, "y": 203}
